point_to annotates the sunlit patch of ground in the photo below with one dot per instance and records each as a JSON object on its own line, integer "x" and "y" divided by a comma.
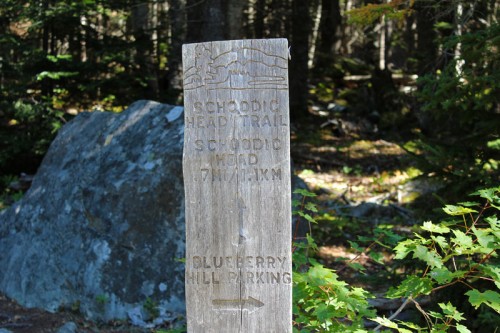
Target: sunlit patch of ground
{"x": 361, "y": 186}
{"x": 333, "y": 252}
{"x": 355, "y": 171}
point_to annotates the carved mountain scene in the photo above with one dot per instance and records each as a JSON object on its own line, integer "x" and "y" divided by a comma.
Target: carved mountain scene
{"x": 239, "y": 69}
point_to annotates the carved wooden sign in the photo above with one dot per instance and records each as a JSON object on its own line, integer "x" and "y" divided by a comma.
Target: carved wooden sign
{"x": 237, "y": 181}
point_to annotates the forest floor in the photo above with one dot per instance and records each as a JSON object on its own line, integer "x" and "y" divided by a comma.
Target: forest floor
{"x": 362, "y": 181}
{"x": 17, "y": 319}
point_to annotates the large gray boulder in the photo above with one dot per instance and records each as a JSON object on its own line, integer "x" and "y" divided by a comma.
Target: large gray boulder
{"x": 102, "y": 225}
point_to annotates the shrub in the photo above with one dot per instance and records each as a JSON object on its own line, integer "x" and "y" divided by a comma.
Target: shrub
{"x": 461, "y": 250}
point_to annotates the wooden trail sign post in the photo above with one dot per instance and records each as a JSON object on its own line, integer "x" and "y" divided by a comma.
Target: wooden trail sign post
{"x": 237, "y": 181}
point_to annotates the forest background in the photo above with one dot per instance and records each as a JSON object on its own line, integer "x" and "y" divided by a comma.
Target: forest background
{"x": 422, "y": 73}
{"x": 58, "y": 58}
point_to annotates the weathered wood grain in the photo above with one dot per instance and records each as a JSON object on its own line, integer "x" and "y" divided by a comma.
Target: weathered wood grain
{"x": 237, "y": 181}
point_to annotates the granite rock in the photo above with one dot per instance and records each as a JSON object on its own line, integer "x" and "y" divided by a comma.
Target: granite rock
{"x": 102, "y": 225}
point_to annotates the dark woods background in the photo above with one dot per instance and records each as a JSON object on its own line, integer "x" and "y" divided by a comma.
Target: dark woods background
{"x": 58, "y": 58}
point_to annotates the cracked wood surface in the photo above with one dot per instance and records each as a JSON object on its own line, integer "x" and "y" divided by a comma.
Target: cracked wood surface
{"x": 236, "y": 167}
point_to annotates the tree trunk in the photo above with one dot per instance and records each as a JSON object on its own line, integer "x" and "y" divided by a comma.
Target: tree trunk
{"x": 313, "y": 38}
{"x": 426, "y": 46}
{"x": 45, "y": 28}
{"x": 235, "y": 18}
{"x": 176, "y": 21}
{"x": 260, "y": 8}
{"x": 275, "y": 18}
{"x": 459, "y": 11}
{"x": 409, "y": 39}
{"x": 299, "y": 63}
{"x": 46, "y": 86}
{"x": 382, "y": 44}
{"x": 329, "y": 28}
{"x": 206, "y": 20}
{"x": 144, "y": 48}
{"x": 194, "y": 16}
{"x": 214, "y": 24}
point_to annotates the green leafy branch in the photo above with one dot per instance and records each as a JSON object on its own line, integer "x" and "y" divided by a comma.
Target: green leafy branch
{"x": 461, "y": 249}
{"x": 321, "y": 301}
{"x": 303, "y": 209}
{"x": 369, "y": 13}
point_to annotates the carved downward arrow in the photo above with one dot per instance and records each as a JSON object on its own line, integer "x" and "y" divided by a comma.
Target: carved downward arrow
{"x": 249, "y": 304}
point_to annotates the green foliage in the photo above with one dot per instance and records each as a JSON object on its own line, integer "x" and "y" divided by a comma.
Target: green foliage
{"x": 439, "y": 321}
{"x": 461, "y": 250}
{"x": 306, "y": 208}
{"x": 151, "y": 308}
{"x": 460, "y": 247}
{"x": 29, "y": 129}
{"x": 324, "y": 92}
{"x": 7, "y": 195}
{"x": 324, "y": 303}
{"x": 56, "y": 56}
{"x": 357, "y": 170}
{"x": 321, "y": 301}
{"x": 101, "y": 301}
{"x": 172, "y": 330}
{"x": 460, "y": 112}
{"x": 371, "y": 12}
